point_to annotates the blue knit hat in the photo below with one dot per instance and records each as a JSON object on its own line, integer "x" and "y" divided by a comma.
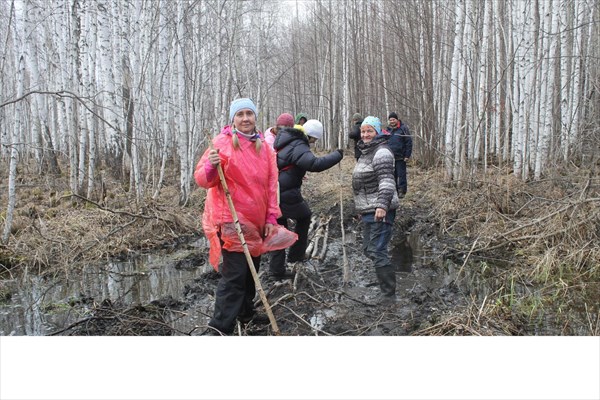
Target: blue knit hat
{"x": 374, "y": 122}
{"x": 240, "y": 104}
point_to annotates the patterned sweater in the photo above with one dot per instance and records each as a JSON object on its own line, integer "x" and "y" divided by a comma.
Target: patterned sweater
{"x": 373, "y": 177}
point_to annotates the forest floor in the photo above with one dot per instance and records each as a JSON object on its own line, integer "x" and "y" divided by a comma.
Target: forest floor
{"x": 495, "y": 256}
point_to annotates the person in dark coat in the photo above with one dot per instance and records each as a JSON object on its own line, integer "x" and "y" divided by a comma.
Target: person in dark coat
{"x": 400, "y": 142}
{"x": 294, "y": 159}
{"x": 376, "y": 201}
{"x": 354, "y": 134}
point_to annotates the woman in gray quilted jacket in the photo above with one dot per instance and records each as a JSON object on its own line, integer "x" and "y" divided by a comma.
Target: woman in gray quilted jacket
{"x": 375, "y": 198}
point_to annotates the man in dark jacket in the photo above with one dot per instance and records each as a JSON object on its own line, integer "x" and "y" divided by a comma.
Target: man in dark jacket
{"x": 400, "y": 142}
{"x": 354, "y": 134}
{"x": 294, "y": 158}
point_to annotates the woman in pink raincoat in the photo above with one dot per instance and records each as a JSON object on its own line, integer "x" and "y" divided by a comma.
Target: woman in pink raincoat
{"x": 251, "y": 174}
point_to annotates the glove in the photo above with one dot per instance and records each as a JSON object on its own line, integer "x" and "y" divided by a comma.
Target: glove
{"x": 341, "y": 152}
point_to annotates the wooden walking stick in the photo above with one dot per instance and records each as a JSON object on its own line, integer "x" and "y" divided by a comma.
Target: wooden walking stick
{"x": 346, "y": 267}
{"x": 238, "y": 229}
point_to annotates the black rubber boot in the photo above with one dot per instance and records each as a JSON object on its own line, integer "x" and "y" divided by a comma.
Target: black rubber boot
{"x": 387, "y": 280}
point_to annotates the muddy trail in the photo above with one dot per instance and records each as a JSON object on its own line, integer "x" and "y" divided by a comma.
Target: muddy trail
{"x": 500, "y": 258}
{"x": 171, "y": 292}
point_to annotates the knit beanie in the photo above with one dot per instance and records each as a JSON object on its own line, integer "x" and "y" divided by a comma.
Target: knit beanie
{"x": 374, "y": 122}
{"x": 240, "y": 104}
{"x": 299, "y": 116}
{"x": 393, "y": 115}
{"x": 285, "y": 119}
{"x": 313, "y": 128}
{"x": 357, "y": 117}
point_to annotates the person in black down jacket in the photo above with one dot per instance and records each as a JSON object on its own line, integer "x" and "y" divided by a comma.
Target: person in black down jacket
{"x": 294, "y": 158}
{"x": 376, "y": 200}
{"x": 354, "y": 134}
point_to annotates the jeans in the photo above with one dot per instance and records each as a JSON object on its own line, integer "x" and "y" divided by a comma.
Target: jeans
{"x": 376, "y": 237}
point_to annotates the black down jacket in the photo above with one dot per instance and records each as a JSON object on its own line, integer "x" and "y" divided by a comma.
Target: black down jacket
{"x": 355, "y": 135}
{"x": 294, "y": 158}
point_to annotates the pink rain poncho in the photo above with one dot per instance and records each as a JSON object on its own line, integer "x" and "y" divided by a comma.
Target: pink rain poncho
{"x": 269, "y": 137}
{"x": 252, "y": 181}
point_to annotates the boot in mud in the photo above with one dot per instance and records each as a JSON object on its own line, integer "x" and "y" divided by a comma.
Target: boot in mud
{"x": 387, "y": 283}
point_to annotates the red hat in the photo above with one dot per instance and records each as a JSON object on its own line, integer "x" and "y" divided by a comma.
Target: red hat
{"x": 285, "y": 119}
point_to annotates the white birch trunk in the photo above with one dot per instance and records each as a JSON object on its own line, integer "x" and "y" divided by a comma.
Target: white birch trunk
{"x": 502, "y": 73}
{"x": 491, "y": 87}
{"x": 83, "y": 89}
{"x": 472, "y": 49}
{"x": 75, "y": 79}
{"x": 581, "y": 19}
{"x": 117, "y": 12}
{"x": 522, "y": 95}
{"x": 463, "y": 86}
{"x": 453, "y": 120}
{"x": 92, "y": 90}
{"x": 164, "y": 45}
{"x": 382, "y": 53}
{"x": 133, "y": 72}
{"x": 182, "y": 126}
{"x": 16, "y": 137}
{"x": 482, "y": 92}
{"x": 218, "y": 92}
{"x": 32, "y": 40}
{"x": 547, "y": 79}
{"x": 106, "y": 78}
{"x": 61, "y": 28}
{"x": 7, "y": 68}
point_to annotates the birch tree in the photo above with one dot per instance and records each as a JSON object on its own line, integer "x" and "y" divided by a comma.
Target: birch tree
{"x": 16, "y": 135}
{"x": 138, "y": 85}
{"x": 453, "y": 124}
{"x": 547, "y": 79}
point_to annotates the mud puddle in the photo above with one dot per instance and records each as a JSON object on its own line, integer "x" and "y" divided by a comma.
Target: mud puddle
{"x": 36, "y": 305}
{"x": 172, "y": 294}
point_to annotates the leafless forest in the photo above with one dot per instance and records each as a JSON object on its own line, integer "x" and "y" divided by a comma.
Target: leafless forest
{"x": 116, "y": 99}
{"x": 130, "y": 87}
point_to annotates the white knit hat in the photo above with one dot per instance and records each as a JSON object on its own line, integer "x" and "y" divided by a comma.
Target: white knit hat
{"x": 313, "y": 128}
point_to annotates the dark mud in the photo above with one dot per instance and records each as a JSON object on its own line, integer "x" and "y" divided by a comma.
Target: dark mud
{"x": 172, "y": 293}
{"x": 441, "y": 289}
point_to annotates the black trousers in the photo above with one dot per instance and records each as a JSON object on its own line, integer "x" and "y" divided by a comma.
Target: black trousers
{"x": 400, "y": 175}
{"x": 235, "y": 291}
{"x": 296, "y": 251}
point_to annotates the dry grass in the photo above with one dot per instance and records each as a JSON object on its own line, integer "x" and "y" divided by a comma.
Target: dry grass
{"x": 546, "y": 235}
{"x": 53, "y": 229}
{"x": 484, "y": 320}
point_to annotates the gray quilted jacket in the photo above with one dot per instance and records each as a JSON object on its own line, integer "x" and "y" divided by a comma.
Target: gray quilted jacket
{"x": 373, "y": 177}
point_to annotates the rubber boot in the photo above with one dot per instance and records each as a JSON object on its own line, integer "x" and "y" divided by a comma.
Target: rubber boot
{"x": 387, "y": 280}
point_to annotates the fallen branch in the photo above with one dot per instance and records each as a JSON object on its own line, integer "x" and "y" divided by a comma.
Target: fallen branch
{"x": 320, "y": 234}
{"x": 321, "y": 255}
{"x": 142, "y": 216}
{"x": 544, "y": 218}
{"x": 305, "y": 321}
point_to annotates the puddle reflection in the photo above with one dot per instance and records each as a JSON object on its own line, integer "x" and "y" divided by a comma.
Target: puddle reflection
{"x": 39, "y": 306}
